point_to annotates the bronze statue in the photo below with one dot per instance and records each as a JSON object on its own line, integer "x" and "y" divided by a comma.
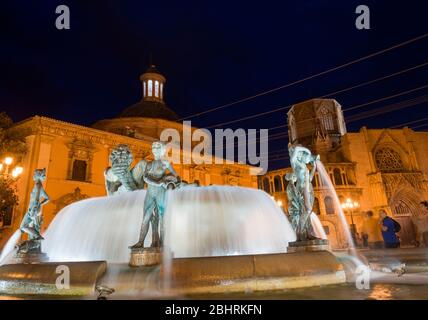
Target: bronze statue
{"x": 120, "y": 177}
{"x": 158, "y": 180}
{"x": 33, "y": 219}
{"x": 300, "y": 191}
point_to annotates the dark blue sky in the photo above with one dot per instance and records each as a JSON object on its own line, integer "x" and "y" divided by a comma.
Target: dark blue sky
{"x": 212, "y": 53}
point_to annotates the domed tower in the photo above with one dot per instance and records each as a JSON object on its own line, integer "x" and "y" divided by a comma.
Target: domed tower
{"x": 317, "y": 124}
{"x": 153, "y": 82}
{"x": 147, "y": 118}
{"x": 152, "y": 104}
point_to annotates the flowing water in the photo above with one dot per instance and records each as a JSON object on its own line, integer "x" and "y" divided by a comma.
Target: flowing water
{"x": 199, "y": 221}
{"x": 326, "y": 181}
{"x": 221, "y": 221}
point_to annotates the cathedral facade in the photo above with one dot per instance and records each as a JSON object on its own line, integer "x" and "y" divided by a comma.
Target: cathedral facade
{"x": 372, "y": 168}
{"x": 75, "y": 156}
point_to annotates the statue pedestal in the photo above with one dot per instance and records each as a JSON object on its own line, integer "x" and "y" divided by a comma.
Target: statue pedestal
{"x": 31, "y": 257}
{"x": 145, "y": 257}
{"x": 30, "y": 251}
{"x": 309, "y": 246}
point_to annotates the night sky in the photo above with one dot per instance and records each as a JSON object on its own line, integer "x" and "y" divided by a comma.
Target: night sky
{"x": 212, "y": 53}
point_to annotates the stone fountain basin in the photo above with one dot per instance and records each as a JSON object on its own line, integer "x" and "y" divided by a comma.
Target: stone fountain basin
{"x": 265, "y": 272}
{"x": 48, "y": 278}
{"x": 187, "y": 276}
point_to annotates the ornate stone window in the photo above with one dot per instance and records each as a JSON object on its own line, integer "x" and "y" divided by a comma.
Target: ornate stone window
{"x": 150, "y": 88}
{"x": 277, "y": 183}
{"x": 292, "y": 127}
{"x": 6, "y": 219}
{"x": 401, "y": 208}
{"x": 337, "y": 175}
{"x": 285, "y": 182}
{"x": 157, "y": 89}
{"x": 266, "y": 185}
{"x": 329, "y": 205}
{"x": 316, "y": 207}
{"x": 326, "y": 118}
{"x": 79, "y": 170}
{"x": 326, "y": 230}
{"x": 388, "y": 160}
{"x": 80, "y": 161}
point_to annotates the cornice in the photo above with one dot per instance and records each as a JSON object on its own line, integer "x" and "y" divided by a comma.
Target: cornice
{"x": 51, "y": 127}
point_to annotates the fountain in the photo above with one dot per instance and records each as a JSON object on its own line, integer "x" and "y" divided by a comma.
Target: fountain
{"x": 216, "y": 239}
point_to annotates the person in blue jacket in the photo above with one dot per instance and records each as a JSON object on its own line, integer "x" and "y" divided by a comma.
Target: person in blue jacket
{"x": 388, "y": 230}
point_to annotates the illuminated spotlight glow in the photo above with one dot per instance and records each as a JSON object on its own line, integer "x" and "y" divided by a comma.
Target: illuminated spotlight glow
{"x": 8, "y": 161}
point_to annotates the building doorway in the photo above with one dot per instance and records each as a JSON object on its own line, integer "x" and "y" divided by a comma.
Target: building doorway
{"x": 407, "y": 233}
{"x": 405, "y": 205}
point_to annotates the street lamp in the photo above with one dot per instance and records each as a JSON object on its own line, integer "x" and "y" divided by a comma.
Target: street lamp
{"x": 350, "y": 205}
{"x": 7, "y": 172}
{"x": 8, "y": 161}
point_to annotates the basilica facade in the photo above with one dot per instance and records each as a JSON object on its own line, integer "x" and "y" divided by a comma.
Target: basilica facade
{"x": 372, "y": 168}
{"x": 75, "y": 156}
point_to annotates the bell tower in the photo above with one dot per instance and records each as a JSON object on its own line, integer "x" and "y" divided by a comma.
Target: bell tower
{"x": 317, "y": 124}
{"x": 153, "y": 85}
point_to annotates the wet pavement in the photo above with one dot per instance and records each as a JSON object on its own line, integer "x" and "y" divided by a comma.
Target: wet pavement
{"x": 385, "y": 284}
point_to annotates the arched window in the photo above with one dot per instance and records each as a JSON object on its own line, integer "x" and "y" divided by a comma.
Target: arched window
{"x": 388, "y": 160}
{"x": 316, "y": 207}
{"x": 79, "y": 170}
{"x": 144, "y": 89}
{"x": 317, "y": 180}
{"x": 285, "y": 182}
{"x": 266, "y": 185}
{"x": 326, "y": 119}
{"x": 326, "y": 230}
{"x": 157, "y": 89}
{"x": 292, "y": 127}
{"x": 329, "y": 205}
{"x": 6, "y": 218}
{"x": 337, "y": 175}
{"x": 150, "y": 88}
{"x": 161, "y": 90}
{"x": 277, "y": 183}
{"x": 401, "y": 208}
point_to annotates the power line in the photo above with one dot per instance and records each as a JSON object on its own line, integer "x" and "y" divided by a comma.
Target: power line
{"x": 389, "y": 108}
{"x": 353, "y": 118}
{"x": 309, "y": 77}
{"x": 385, "y": 109}
{"x": 420, "y": 126}
{"x": 385, "y": 98}
{"x": 284, "y": 151}
{"x": 410, "y": 122}
{"x": 324, "y": 96}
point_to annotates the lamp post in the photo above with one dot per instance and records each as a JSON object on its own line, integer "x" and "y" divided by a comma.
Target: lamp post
{"x": 350, "y": 205}
{"x": 9, "y": 173}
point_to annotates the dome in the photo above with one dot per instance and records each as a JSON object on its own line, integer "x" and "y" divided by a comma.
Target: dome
{"x": 153, "y": 69}
{"x": 149, "y": 109}
{"x": 152, "y": 104}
